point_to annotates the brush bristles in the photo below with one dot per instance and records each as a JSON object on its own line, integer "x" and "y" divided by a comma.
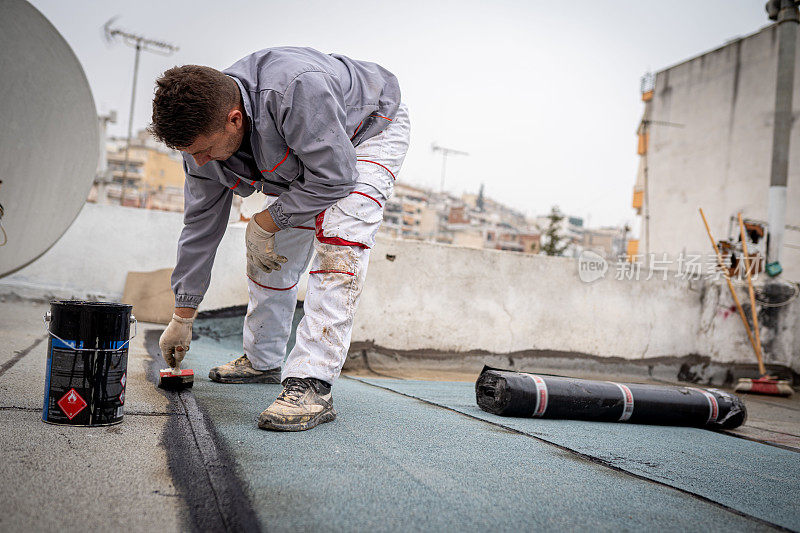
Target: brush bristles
{"x": 771, "y": 387}
{"x": 169, "y": 381}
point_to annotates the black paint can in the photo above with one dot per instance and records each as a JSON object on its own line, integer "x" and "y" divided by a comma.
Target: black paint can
{"x": 87, "y": 362}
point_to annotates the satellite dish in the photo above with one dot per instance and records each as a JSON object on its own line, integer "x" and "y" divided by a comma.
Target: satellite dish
{"x": 49, "y": 142}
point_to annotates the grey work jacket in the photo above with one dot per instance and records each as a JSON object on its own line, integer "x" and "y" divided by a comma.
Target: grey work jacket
{"x": 307, "y": 111}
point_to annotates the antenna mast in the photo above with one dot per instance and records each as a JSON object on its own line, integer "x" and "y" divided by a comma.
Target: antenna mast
{"x": 445, "y": 152}
{"x": 140, "y": 43}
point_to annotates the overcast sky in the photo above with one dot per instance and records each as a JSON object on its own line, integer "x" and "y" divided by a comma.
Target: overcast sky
{"x": 543, "y": 95}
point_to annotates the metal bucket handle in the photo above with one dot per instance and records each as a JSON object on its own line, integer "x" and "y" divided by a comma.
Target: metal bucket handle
{"x": 47, "y": 317}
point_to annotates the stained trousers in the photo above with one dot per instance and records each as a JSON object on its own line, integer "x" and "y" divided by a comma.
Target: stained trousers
{"x": 337, "y": 242}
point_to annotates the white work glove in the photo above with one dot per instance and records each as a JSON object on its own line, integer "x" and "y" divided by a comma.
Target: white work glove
{"x": 174, "y": 342}
{"x": 261, "y": 250}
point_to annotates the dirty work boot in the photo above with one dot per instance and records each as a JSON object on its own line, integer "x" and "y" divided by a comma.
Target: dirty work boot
{"x": 241, "y": 371}
{"x": 304, "y": 403}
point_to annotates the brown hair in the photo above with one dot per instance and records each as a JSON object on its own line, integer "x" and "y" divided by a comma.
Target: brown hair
{"x": 189, "y": 101}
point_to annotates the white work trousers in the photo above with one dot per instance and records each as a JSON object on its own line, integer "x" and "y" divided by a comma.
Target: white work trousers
{"x": 342, "y": 236}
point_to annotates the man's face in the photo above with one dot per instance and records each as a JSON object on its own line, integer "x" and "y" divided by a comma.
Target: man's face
{"x": 219, "y": 145}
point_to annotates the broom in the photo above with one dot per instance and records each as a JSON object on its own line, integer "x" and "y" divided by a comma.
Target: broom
{"x": 764, "y": 384}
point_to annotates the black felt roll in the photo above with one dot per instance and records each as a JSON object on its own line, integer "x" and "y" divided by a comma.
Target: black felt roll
{"x": 523, "y": 394}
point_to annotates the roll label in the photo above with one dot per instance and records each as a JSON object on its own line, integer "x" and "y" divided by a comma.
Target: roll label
{"x": 627, "y": 402}
{"x": 541, "y": 395}
{"x": 713, "y": 406}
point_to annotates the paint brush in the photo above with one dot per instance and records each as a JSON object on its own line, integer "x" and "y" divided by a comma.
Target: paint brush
{"x": 175, "y": 379}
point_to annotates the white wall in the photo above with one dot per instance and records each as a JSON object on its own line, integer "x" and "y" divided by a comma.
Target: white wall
{"x": 434, "y": 297}
{"x": 720, "y": 158}
{"x": 105, "y": 242}
{"x": 450, "y": 299}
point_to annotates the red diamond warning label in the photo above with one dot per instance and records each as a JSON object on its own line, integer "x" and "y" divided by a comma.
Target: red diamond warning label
{"x": 122, "y": 397}
{"x": 71, "y": 403}
{"x": 123, "y": 379}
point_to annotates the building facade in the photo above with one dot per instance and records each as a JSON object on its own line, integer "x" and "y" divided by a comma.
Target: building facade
{"x": 154, "y": 177}
{"x": 706, "y": 141}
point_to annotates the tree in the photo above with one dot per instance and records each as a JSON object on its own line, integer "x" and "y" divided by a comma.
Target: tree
{"x": 553, "y": 239}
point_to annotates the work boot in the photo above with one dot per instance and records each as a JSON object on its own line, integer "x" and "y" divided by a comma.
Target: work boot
{"x": 241, "y": 371}
{"x": 304, "y": 403}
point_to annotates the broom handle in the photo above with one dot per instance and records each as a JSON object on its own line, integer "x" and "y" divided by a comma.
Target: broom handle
{"x": 753, "y": 310}
{"x": 730, "y": 286}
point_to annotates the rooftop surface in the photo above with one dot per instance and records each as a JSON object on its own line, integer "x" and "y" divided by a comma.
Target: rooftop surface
{"x": 403, "y": 454}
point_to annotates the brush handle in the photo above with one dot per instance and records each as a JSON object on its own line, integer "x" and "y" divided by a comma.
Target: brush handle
{"x": 753, "y": 310}
{"x": 730, "y": 285}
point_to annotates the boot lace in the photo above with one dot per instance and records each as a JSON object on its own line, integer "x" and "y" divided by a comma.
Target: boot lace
{"x": 293, "y": 390}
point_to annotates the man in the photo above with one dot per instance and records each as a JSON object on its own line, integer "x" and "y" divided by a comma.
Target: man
{"x": 324, "y": 136}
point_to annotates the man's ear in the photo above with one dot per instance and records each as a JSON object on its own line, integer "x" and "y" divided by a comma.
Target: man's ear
{"x": 235, "y": 118}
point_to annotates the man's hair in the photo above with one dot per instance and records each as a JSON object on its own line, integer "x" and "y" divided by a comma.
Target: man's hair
{"x": 189, "y": 101}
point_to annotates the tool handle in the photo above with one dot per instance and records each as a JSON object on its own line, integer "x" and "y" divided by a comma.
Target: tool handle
{"x": 730, "y": 286}
{"x": 753, "y": 311}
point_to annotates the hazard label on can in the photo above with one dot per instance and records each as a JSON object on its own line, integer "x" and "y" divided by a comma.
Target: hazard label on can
{"x": 122, "y": 397}
{"x": 123, "y": 379}
{"x": 71, "y": 403}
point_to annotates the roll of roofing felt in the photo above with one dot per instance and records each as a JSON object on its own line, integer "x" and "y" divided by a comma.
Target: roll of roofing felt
{"x": 522, "y": 394}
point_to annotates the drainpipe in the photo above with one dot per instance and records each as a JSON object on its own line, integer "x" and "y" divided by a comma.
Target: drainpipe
{"x": 786, "y": 14}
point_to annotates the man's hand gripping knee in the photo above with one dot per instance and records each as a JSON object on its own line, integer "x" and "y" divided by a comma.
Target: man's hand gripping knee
{"x": 261, "y": 253}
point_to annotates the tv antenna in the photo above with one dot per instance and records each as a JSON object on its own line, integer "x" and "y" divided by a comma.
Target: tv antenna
{"x": 445, "y": 152}
{"x": 140, "y": 43}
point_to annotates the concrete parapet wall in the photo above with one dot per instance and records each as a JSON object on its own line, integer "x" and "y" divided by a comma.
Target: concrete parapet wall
{"x": 439, "y": 299}
{"x": 442, "y": 302}
{"x": 93, "y": 258}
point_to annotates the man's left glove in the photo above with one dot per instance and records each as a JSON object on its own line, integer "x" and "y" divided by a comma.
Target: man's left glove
{"x": 261, "y": 250}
